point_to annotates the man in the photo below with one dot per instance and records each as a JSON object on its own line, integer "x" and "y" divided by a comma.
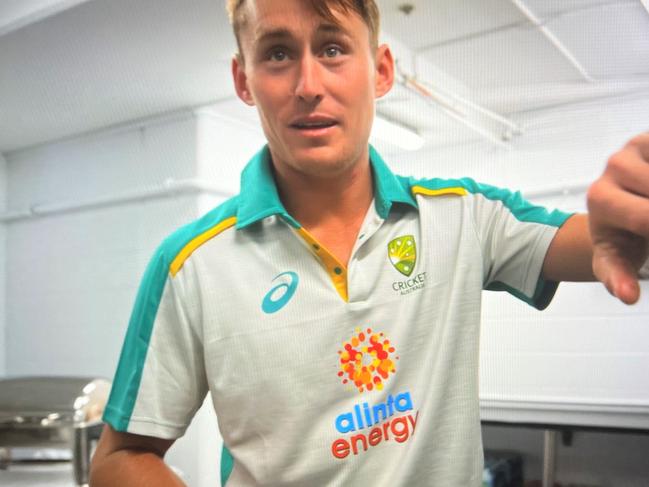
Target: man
{"x": 332, "y": 308}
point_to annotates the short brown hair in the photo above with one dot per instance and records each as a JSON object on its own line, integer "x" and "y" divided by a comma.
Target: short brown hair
{"x": 366, "y": 9}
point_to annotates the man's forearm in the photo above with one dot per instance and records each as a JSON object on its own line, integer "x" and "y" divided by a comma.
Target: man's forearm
{"x": 128, "y": 468}
{"x": 570, "y": 255}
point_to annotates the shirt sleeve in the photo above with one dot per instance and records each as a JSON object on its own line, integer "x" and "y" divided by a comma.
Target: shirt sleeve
{"x": 160, "y": 381}
{"x": 515, "y": 236}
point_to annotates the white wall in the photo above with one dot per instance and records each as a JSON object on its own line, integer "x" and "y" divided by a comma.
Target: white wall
{"x": 224, "y": 144}
{"x": 72, "y": 277}
{"x": 562, "y": 144}
{"x": 3, "y": 258}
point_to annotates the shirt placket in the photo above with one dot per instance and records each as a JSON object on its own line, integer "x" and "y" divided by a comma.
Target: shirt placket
{"x": 337, "y": 271}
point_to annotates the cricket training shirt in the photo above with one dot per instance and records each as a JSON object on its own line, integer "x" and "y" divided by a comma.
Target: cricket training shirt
{"x": 323, "y": 374}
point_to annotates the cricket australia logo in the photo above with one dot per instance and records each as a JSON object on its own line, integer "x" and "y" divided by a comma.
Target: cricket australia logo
{"x": 402, "y": 252}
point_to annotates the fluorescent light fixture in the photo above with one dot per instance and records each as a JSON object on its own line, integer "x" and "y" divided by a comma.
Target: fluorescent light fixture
{"x": 395, "y": 134}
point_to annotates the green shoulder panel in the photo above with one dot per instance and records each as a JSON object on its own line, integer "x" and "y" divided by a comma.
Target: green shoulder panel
{"x": 514, "y": 201}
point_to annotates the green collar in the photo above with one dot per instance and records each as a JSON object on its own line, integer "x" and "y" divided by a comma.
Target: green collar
{"x": 259, "y": 199}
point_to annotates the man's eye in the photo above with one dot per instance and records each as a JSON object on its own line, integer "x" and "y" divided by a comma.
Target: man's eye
{"x": 277, "y": 55}
{"x": 332, "y": 51}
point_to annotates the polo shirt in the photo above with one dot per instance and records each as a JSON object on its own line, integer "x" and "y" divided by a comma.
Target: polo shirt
{"x": 321, "y": 373}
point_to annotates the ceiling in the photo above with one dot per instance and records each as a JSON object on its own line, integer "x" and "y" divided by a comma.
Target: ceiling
{"x": 73, "y": 66}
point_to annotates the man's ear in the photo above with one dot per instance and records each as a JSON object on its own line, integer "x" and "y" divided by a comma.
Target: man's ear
{"x": 240, "y": 80}
{"x": 384, "y": 70}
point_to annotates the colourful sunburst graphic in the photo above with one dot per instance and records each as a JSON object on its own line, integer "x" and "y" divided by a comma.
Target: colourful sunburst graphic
{"x": 402, "y": 252}
{"x": 367, "y": 360}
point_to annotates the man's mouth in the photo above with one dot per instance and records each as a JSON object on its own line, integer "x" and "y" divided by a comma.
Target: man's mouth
{"x": 314, "y": 124}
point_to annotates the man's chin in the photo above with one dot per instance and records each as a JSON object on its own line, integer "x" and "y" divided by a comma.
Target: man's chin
{"x": 323, "y": 161}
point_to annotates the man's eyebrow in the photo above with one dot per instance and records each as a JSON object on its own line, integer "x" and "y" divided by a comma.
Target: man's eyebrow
{"x": 271, "y": 35}
{"x": 330, "y": 28}
{"x": 280, "y": 33}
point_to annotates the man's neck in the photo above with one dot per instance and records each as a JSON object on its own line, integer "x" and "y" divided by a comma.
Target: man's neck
{"x": 315, "y": 201}
{"x": 331, "y": 209}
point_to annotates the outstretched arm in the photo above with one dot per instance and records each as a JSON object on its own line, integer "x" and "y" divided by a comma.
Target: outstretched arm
{"x": 611, "y": 244}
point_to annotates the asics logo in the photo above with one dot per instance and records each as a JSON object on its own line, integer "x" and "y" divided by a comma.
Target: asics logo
{"x": 281, "y": 294}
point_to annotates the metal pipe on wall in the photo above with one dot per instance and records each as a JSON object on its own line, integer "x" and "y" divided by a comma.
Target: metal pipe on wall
{"x": 172, "y": 187}
{"x": 169, "y": 188}
{"x": 554, "y": 40}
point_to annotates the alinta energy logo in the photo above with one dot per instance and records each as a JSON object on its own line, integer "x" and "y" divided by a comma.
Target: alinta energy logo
{"x": 366, "y": 362}
{"x": 402, "y": 253}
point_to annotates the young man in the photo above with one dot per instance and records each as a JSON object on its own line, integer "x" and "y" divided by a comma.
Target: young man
{"x": 332, "y": 308}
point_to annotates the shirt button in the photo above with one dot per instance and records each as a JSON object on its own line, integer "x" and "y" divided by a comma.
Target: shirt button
{"x": 338, "y": 270}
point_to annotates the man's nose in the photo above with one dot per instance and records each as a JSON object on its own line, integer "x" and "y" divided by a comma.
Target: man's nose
{"x": 309, "y": 85}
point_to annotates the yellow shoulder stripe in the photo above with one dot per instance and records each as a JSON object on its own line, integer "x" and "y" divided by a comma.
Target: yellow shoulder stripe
{"x": 196, "y": 242}
{"x": 458, "y": 190}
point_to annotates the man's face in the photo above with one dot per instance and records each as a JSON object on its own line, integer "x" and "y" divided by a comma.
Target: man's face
{"x": 314, "y": 84}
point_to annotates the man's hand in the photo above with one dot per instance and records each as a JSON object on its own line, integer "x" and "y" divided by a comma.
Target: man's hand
{"x": 618, "y": 205}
